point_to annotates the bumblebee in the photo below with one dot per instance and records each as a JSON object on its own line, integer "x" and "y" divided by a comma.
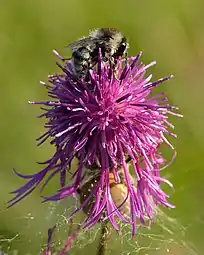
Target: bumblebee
{"x": 85, "y": 51}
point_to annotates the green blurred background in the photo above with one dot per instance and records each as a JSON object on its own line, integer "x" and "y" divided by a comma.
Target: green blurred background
{"x": 170, "y": 32}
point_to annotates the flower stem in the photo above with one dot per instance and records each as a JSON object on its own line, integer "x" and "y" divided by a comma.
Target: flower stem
{"x": 104, "y": 238}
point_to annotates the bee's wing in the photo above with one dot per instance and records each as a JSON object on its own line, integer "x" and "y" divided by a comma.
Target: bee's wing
{"x": 83, "y": 42}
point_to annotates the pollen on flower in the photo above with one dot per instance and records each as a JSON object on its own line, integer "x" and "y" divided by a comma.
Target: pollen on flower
{"x": 107, "y": 123}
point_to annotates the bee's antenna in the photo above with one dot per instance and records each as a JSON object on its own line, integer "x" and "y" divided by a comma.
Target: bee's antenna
{"x": 59, "y": 56}
{"x": 126, "y": 57}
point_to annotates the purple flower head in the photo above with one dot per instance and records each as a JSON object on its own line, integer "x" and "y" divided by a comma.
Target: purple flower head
{"x": 108, "y": 122}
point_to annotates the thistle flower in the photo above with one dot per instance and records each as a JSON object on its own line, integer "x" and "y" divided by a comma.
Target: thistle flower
{"x": 105, "y": 121}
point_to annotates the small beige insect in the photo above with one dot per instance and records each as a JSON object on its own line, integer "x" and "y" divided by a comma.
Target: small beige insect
{"x": 118, "y": 192}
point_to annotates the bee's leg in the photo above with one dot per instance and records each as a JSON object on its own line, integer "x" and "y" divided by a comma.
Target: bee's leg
{"x": 65, "y": 59}
{"x": 86, "y": 71}
{"x": 111, "y": 69}
{"x": 59, "y": 56}
{"x": 87, "y": 76}
{"x": 128, "y": 159}
{"x": 112, "y": 64}
{"x": 126, "y": 58}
